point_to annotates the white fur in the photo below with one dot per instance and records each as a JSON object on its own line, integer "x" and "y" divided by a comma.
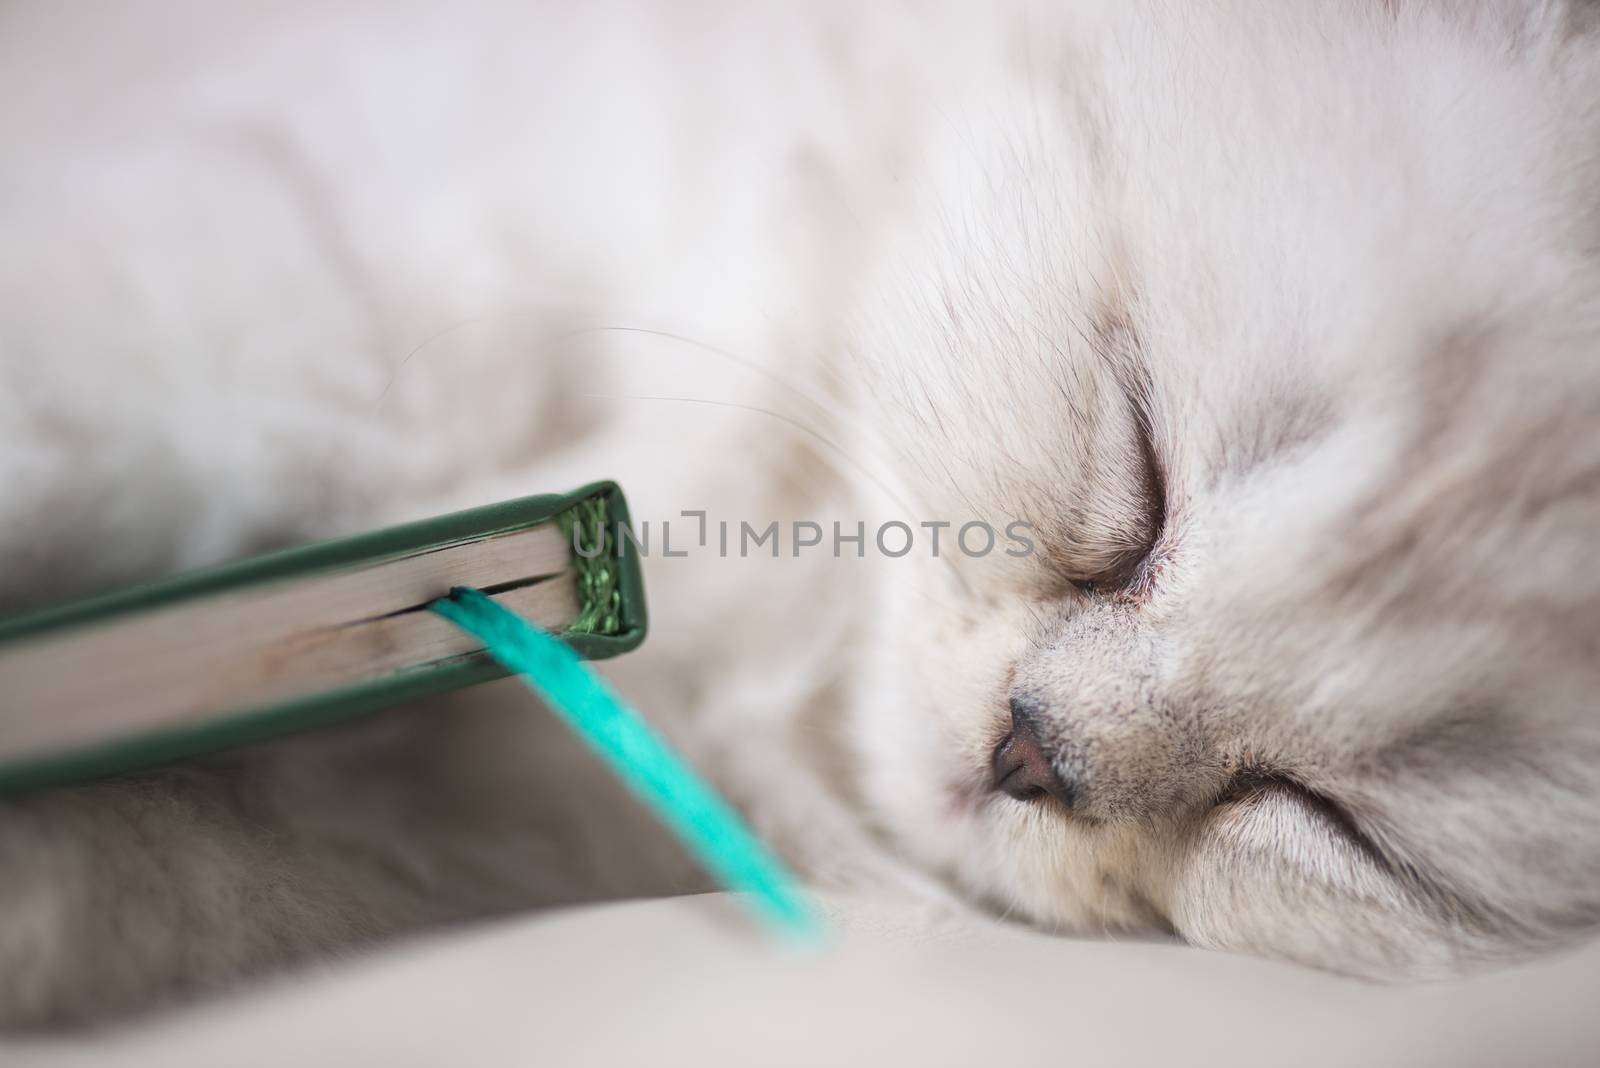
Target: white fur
{"x": 273, "y": 275}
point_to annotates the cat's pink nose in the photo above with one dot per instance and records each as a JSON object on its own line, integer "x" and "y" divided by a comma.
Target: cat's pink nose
{"x": 1022, "y": 766}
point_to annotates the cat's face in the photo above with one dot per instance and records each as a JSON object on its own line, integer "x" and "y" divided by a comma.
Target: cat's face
{"x": 1295, "y": 379}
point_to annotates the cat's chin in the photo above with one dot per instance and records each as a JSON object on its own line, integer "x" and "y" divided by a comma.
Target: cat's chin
{"x": 1033, "y": 864}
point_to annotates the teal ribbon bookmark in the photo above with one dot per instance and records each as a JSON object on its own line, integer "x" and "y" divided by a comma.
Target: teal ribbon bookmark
{"x": 683, "y": 801}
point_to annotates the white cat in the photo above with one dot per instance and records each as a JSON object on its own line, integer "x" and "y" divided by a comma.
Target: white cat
{"x": 1276, "y": 325}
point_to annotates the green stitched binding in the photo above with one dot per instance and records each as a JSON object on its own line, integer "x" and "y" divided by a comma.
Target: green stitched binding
{"x": 599, "y": 593}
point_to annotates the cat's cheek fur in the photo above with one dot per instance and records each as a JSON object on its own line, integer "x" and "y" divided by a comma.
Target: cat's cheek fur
{"x": 1254, "y": 878}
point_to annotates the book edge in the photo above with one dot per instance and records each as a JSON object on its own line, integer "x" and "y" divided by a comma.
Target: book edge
{"x": 151, "y": 748}
{"x": 303, "y": 560}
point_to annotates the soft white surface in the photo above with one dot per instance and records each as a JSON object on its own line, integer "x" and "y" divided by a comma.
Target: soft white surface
{"x": 687, "y": 981}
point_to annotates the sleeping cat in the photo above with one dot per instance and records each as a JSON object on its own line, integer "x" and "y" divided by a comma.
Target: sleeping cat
{"x": 1273, "y": 327}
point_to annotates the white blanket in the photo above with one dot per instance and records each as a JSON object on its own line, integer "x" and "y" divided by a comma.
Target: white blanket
{"x": 690, "y": 981}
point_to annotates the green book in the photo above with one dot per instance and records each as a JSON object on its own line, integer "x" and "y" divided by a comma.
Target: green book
{"x": 303, "y": 637}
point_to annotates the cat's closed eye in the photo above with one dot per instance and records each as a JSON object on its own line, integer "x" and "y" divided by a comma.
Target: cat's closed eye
{"x": 1256, "y": 785}
{"x": 1124, "y": 566}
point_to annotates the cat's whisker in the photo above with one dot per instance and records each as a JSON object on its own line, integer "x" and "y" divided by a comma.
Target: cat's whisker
{"x": 750, "y": 365}
{"x": 446, "y": 331}
{"x": 865, "y": 436}
{"x": 561, "y": 339}
{"x": 854, "y": 465}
